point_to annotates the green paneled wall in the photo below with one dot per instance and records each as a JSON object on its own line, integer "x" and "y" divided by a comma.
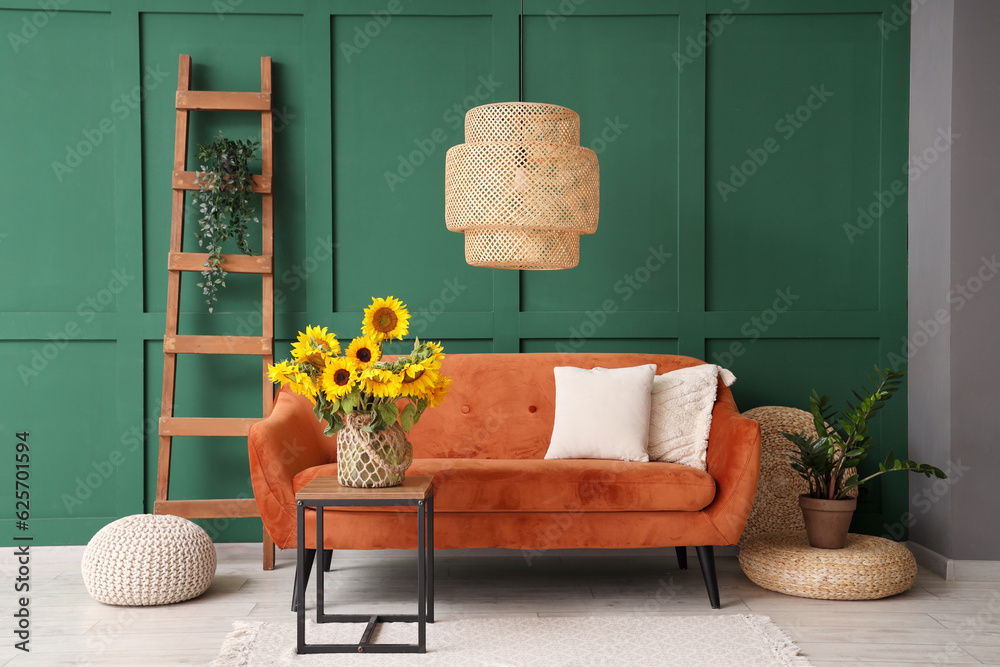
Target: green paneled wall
{"x": 794, "y": 122}
{"x": 634, "y": 131}
{"x": 389, "y": 144}
{"x": 721, "y": 234}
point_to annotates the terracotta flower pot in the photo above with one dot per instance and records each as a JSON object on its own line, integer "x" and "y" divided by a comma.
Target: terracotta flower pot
{"x": 827, "y": 521}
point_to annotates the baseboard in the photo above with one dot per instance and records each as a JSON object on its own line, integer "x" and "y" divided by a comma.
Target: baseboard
{"x": 954, "y": 570}
{"x": 932, "y": 560}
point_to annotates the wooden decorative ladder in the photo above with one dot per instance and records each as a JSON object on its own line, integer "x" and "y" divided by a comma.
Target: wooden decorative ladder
{"x": 179, "y": 261}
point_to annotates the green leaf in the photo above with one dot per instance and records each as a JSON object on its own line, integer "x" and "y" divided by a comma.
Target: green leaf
{"x": 408, "y": 417}
{"x": 389, "y": 413}
{"x": 334, "y": 423}
{"x": 350, "y": 402}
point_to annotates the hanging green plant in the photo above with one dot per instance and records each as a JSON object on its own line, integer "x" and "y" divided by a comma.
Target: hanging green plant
{"x": 225, "y": 196}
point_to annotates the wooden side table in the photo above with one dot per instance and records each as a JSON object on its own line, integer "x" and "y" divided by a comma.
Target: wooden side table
{"x": 327, "y": 492}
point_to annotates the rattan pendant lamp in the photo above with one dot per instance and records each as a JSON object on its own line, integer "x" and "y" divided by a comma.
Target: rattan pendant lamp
{"x": 521, "y": 188}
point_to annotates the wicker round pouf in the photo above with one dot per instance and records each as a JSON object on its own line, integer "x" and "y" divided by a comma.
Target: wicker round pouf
{"x": 867, "y": 568}
{"x": 148, "y": 559}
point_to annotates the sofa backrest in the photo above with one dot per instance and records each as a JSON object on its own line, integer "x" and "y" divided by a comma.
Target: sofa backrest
{"x": 502, "y": 406}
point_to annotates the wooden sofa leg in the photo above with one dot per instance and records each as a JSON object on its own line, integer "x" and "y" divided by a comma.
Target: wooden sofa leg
{"x": 310, "y": 556}
{"x": 682, "y": 557}
{"x": 706, "y": 558}
{"x": 268, "y": 551}
{"x": 327, "y": 559}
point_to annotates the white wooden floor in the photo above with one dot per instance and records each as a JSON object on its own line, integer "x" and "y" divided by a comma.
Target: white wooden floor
{"x": 936, "y": 623}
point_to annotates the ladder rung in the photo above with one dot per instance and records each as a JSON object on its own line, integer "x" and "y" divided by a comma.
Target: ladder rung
{"x": 195, "y": 261}
{"x": 184, "y": 180}
{"x": 213, "y": 100}
{"x": 208, "y": 509}
{"x": 208, "y": 426}
{"x": 216, "y": 345}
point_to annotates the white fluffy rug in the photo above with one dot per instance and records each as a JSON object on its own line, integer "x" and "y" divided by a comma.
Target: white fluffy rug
{"x": 714, "y": 641}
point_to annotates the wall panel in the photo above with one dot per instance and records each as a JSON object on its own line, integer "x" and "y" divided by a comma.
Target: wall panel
{"x": 389, "y": 144}
{"x": 793, "y": 150}
{"x": 60, "y": 122}
{"x": 617, "y": 73}
{"x": 76, "y": 447}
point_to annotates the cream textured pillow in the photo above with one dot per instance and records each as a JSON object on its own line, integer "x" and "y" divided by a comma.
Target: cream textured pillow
{"x": 681, "y": 413}
{"x": 602, "y": 413}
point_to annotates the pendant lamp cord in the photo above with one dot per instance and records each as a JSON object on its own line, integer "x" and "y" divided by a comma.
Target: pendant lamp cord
{"x": 520, "y": 54}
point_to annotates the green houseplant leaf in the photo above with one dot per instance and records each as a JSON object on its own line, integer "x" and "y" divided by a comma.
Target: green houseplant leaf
{"x": 824, "y": 460}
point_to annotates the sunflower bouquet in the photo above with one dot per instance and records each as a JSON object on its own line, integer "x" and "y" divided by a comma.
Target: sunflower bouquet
{"x": 358, "y": 380}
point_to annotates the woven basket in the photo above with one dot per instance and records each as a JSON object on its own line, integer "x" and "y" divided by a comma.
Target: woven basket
{"x": 776, "y": 505}
{"x": 521, "y": 188}
{"x": 148, "y": 560}
{"x": 371, "y": 460}
{"x": 867, "y": 568}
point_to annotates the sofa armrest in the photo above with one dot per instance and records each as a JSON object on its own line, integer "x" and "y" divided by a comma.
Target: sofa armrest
{"x": 734, "y": 463}
{"x": 281, "y": 446}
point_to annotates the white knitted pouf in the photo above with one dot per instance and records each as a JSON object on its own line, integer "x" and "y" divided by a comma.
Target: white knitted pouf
{"x": 148, "y": 559}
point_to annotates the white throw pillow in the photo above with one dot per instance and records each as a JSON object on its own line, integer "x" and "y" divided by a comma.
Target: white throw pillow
{"x": 681, "y": 414}
{"x": 601, "y": 413}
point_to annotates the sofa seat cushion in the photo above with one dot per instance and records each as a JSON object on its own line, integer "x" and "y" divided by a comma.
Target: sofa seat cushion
{"x": 564, "y": 485}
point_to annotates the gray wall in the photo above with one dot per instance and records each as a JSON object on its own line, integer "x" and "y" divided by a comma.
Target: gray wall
{"x": 975, "y": 246}
{"x": 954, "y": 388}
{"x": 929, "y": 387}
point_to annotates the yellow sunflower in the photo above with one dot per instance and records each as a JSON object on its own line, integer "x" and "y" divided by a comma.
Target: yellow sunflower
{"x": 419, "y": 380}
{"x": 429, "y": 353}
{"x": 338, "y": 378}
{"x": 302, "y": 384}
{"x": 381, "y": 382}
{"x": 364, "y": 351}
{"x": 439, "y": 392}
{"x": 386, "y": 319}
{"x": 282, "y": 372}
{"x": 434, "y": 361}
{"x": 314, "y": 345}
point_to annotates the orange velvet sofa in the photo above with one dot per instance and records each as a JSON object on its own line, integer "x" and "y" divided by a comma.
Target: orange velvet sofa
{"x": 485, "y": 447}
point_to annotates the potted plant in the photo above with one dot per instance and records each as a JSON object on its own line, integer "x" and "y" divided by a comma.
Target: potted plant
{"x": 826, "y": 461}
{"x": 225, "y": 196}
{"x": 371, "y": 402}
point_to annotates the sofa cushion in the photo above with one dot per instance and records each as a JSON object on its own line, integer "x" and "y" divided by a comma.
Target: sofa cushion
{"x": 567, "y": 485}
{"x": 601, "y": 413}
{"x": 681, "y": 413}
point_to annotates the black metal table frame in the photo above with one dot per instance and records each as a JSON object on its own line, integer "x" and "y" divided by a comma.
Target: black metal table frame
{"x": 425, "y": 581}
